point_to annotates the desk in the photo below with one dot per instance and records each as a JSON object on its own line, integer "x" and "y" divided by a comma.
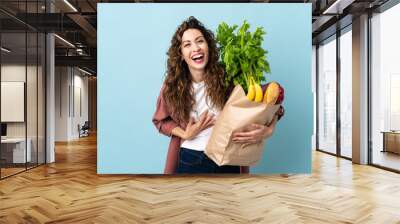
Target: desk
{"x": 391, "y": 141}
{"x": 16, "y": 147}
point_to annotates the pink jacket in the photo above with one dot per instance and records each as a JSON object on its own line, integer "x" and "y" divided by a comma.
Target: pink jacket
{"x": 165, "y": 122}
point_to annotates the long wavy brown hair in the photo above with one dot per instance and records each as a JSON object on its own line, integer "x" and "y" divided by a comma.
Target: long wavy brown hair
{"x": 178, "y": 90}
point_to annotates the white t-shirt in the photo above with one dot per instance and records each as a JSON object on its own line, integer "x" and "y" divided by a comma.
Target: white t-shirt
{"x": 200, "y": 141}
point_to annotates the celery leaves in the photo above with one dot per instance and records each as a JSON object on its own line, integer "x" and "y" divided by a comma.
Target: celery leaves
{"x": 242, "y": 54}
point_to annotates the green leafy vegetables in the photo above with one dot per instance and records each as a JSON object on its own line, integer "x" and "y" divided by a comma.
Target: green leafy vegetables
{"x": 242, "y": 54}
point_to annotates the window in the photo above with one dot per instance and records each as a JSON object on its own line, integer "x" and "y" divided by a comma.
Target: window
{"x": 327, "y": 95}
{"x": 385, "y": 88}
{"x": 346, "y": 74}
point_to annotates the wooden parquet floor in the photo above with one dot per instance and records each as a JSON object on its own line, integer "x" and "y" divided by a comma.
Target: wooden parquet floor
{"x": 70, "y": 191}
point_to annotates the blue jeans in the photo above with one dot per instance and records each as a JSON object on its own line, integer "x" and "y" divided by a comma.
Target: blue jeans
{"x": 192, "y": 161}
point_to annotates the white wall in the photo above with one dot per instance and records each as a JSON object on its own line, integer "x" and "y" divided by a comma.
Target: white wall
{"x": 15, "y": 72}
{"x": 9, "y": 73}
{"x": 62, "y": 81}
{"x": 71, "y": 94}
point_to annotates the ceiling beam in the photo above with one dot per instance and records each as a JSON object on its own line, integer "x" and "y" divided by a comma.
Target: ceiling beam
{"x": 337, "y": 6}
{"x": 86, "y": 26}
{"x": 84, "y": 61}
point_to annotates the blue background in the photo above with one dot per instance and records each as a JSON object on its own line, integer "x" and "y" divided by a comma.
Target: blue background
{"x": 132, "y": 43}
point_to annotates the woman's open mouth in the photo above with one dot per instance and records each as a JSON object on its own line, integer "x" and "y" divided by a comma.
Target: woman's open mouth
{"x": 198, "y": 58}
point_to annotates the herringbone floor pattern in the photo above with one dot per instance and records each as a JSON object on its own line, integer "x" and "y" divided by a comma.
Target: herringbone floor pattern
{"x": 70, "y": 191}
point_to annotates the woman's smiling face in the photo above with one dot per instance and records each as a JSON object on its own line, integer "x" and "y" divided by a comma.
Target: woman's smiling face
{"x": 194, "y": 49}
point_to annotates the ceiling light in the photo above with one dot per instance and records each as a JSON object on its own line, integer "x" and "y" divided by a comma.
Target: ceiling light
{"x": 65, "y": 41}
{"x": 79, "y": 51}
{"x": 5, "y": 50}
{"x": 84, "y": 71}
{"x": 70, "y": 5}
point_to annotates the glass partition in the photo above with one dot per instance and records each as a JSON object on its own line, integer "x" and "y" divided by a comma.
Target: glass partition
{"x": 41, "y": 91}
{"x": 32, "y": 95}
{"x": 22, "y": 77}
{"x": 14, "y": 154}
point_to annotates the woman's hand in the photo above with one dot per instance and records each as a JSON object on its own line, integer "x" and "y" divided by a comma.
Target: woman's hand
{"x": 255, "y": 133}
{"x": 205, "y": 121}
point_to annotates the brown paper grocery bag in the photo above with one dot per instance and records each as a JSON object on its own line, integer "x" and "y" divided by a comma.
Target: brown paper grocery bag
{"x": 238, "y": 112}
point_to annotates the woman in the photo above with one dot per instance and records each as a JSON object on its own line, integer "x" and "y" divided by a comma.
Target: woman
{"x": 191, "y": 98}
